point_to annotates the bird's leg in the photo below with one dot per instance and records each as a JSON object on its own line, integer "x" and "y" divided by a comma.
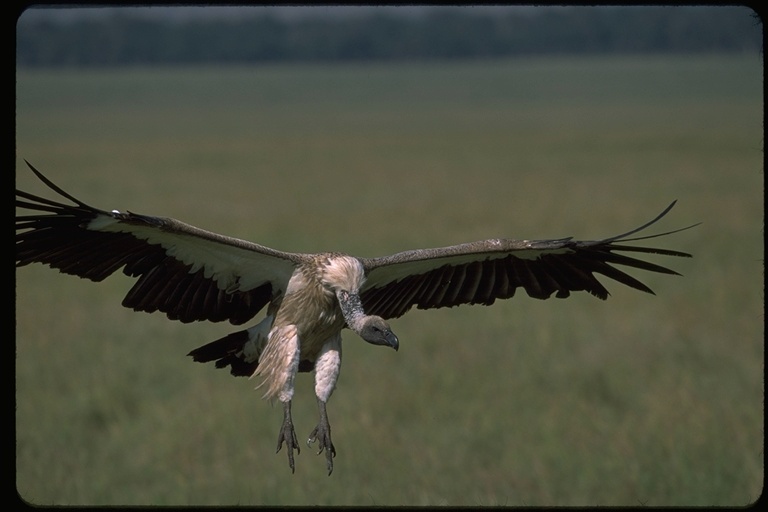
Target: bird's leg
{"x": 288, "y": 435}
{"x": 327, "y": 368}
{"x": 278, "y": 364}
{"x": 322, "y": 434}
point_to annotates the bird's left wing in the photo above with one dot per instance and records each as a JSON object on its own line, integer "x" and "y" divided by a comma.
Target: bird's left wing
{"x": 481, "y": 272}
{"x": 186, "y": 272}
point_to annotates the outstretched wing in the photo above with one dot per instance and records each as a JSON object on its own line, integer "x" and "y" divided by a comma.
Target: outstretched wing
{"x": 481, "y": 272}
{"x": 186, "y": 272}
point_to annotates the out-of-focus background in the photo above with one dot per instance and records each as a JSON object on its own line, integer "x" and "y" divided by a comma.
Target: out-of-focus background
{"x": 375, "y": 130}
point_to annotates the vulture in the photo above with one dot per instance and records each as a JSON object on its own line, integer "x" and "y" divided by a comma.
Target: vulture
{"x": 191, "y": 274}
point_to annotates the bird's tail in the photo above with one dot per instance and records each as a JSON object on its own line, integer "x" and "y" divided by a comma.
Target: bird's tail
{"x": 241, "y": 350}
{"x": 229, "y": 351}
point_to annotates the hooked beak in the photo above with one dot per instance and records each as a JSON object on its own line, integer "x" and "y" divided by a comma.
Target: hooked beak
{"x": 392, "y": 340}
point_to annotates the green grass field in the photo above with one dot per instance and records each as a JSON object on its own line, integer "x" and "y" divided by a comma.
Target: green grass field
{"x": 641, "y": 399}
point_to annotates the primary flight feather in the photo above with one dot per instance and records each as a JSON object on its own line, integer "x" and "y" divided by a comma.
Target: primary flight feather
{"x": 191, "y": 274}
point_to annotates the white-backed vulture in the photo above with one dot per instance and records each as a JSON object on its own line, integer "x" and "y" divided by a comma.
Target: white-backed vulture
{"x": 191, "y": 274}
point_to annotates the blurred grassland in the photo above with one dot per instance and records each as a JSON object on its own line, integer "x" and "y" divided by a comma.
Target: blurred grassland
{"x": 635, "y": 400}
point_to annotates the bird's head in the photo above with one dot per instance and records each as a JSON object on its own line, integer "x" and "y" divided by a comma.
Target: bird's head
{"x": 377, "y": 332}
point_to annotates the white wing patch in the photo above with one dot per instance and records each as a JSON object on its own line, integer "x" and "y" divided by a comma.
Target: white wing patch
{"x": 233, "y": 268}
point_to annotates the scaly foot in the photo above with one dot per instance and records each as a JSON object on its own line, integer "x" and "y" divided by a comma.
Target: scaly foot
{"x": 322, "y": 434}
{"x": 288, "y": 435}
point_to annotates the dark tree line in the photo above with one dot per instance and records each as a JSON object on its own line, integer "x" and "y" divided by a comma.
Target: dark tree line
{"x": 125, "y": 40}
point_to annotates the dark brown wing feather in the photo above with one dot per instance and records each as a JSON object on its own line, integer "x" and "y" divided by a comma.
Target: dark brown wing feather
{"x": 481, "y": 272}
{"x": 173, "y": 276}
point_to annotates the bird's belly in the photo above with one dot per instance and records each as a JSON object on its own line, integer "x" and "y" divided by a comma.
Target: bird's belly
{"x": 314, "y": 334}
{"x": 317, "y": 319}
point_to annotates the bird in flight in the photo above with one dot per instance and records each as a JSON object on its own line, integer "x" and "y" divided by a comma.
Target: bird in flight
{"x": 191, "y": 274}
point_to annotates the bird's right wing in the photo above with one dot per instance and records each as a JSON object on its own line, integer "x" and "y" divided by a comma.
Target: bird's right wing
{"x": 186, "y": 272}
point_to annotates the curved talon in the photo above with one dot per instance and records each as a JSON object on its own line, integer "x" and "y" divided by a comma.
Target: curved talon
{"x": 291, "y": 443}
{"x": 322, "y": 433}
{"x": 288, "y": 434}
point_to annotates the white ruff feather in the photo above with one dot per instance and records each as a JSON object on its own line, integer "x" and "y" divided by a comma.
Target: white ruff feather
{"x": 343, "y": 273}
